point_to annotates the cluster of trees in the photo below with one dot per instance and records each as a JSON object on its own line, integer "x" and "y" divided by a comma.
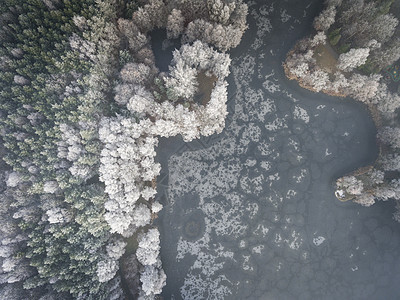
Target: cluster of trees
{"x": 156, "y": 104}
{"x": 127, "y": 169}
{"x": 57, "y": 233}
{"x": 81, "y": 106}
{"x": 360, "y": 186}
{"x": 217, "y": 22}
{"x": 368, "y": 29}
{"x": 373, "y": 31}
{"x": 189, "y": 118}
{"x": 365, "y": 34}
{"x": 357, "y": 23}
{"x": 148, "y": 254}
{"x": 378, "y": 182}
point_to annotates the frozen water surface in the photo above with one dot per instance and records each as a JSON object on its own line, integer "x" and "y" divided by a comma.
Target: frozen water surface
{"x": 251, "y": 213}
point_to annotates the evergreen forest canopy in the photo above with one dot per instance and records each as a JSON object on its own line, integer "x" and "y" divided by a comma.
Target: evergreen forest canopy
{"x": 81, "y": 106}
{"x": 369, "y": 25}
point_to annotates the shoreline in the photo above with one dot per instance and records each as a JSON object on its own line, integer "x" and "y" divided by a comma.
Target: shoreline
{"x": 374, "y": 113}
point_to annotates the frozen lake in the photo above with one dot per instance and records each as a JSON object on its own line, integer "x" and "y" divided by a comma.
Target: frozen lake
{"x": 251, "y": 213}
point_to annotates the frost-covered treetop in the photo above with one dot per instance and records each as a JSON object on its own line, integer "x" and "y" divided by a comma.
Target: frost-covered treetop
{"x": 353, "y": 59}
{"x": 82, "y": 167}
{"x": 188, "y": 62}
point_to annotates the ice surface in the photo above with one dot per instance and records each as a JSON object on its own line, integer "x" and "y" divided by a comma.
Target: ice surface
{"x": 261, "y": 193}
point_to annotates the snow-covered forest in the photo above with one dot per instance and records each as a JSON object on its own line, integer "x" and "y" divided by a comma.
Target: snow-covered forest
{"x": 82, "y": 105}
{"x": 355, "y": 41}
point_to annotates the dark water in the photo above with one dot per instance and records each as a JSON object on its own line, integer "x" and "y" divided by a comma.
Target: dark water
{"x": 250, "y": 213}
{"x": 163, "y": 48}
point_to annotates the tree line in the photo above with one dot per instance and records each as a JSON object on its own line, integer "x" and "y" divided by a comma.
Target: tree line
{"x": 81, "y": 106}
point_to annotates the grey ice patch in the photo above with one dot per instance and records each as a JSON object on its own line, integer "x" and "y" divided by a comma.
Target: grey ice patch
{"x": 251, "y": 133}
{"x": 290, "y": 194}
{"x": 318, "y": 240}
{"x": 261, "y": 230}
{"x": 257, "y": 106}
{"x": 257, "y": 249}
{"x": 269, "y": 85}
{"x": 327, "y": 153}
{"x": 290, "y": 96}
{"x": 300, "y": 113}
{"x": 252, "y": 185}
{"x": 244, "y": 68}
{"x": 293, "y": 240}
{"x": 263, "y": 26}
{"x": 355, "y": 268}
{"x": 284, "y": 16}
{"x": 250, "y": 162}
{"x": 247, "y": 265}
{"x": 197, "y": 287}
{"x": 266, "y": 165}
{"x": 300, "y": 177}
{"x": 266, "y": 10}
{"x": 276, "y": 124}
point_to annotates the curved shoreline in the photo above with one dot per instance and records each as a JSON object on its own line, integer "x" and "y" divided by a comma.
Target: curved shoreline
{"x": 312, "y": 208}
{"x": 374, "y": 112}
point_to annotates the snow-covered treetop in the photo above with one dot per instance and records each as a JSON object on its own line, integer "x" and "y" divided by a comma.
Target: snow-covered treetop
{"x": 353, "y": 59}
{"x": 149, "y": 247}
